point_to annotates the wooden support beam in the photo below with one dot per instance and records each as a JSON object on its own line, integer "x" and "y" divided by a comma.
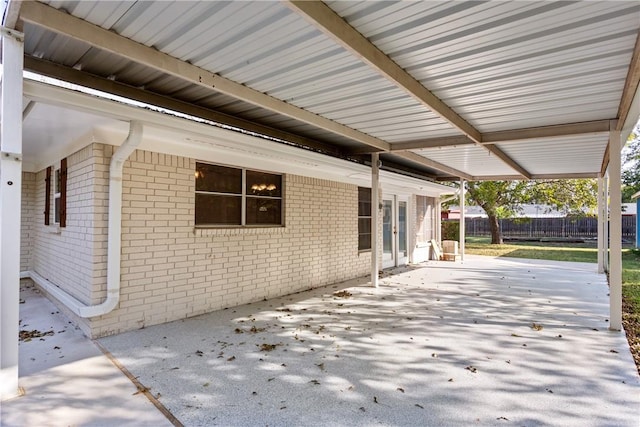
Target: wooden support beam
{"x": 509, "y": 161}
{"x": 12, "y": 14}
{"x": 584, "y": 128}
{"x": 324, "y": 18}
{"x": 630, "y": 86}
{"x": 62, "y": 23}
{"x": 446, "y": 141}
{"x": 416, "y": 158}
{"x": 513, "y": 135}
{"x": 85, "y": 79}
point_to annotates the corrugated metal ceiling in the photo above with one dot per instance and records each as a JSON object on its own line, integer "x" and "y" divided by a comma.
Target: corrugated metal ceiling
{"x": 499, "y": 65}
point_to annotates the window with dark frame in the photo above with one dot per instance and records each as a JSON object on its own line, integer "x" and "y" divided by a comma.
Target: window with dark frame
{"x": 236, "y": 197}
{"x": 364, "y": 219}
{"x": 59, "y": 178}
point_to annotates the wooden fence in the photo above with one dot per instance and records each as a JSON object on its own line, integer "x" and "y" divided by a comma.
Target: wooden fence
{"x": 585, "y": 227}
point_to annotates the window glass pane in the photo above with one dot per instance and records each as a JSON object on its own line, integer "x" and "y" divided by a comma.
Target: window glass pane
{"x": 218, "y": 179}
{"x": 364, "y": 225}
{"x": 56, "y": 210}
{"x": 263, "y": 184}
{"x": 364, "y": 242}
{"x": 364, "y": 201}
{"x": 218, "y": 210}
{"x": 364, "y": 233}
{"x": 58, "y": 181}
{"x": 264, "y": 211}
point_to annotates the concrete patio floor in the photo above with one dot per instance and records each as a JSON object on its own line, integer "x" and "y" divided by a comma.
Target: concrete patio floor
{"x": 67, "y": 380}
{"x": 489, "y": 342}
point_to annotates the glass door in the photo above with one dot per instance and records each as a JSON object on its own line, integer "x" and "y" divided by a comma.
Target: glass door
{"x": 388, "y": 244}
{"x": 402, "y": 254}
{"x": 394, "y": 231}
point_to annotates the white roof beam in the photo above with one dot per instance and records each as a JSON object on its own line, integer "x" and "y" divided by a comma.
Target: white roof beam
{"x": 63, "y": 23}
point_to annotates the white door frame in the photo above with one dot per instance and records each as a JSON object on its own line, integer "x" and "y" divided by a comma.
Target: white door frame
{"x": 392, "y": 255}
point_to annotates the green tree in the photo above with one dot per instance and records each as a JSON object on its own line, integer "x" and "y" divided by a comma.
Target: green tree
{"x": 503, "y": 199}
{"x": 631, "y": 166}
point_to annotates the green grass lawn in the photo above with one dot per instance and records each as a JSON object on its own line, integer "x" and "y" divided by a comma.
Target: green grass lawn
{"x": 577, "y": 252}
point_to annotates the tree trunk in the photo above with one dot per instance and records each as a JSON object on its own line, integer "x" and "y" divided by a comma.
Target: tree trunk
{"x": 496, "y": 232}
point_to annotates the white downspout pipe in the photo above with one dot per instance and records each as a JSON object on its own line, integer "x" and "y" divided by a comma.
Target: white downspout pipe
{"x": 113, "y": 237}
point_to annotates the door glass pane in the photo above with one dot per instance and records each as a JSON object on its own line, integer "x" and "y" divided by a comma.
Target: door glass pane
{"x": 402, "y": 229}
{"x": 387, "y": 226}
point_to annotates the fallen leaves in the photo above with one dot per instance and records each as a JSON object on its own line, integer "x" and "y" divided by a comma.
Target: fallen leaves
{"x": 471, "y": 369}
{"x": 27, "y": 336}
{"x": 268, "y": 347}
{"x": 342, "y": 294}
{"x": 536, "y": 326}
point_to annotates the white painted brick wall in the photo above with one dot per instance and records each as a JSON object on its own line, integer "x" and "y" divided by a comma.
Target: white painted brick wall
{"x": 73, "y": 257}
{"x": 171, "y": 270}
{"x": 27, "y": 229}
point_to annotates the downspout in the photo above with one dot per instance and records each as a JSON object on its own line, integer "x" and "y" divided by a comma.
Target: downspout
{"x": 113, "y": 237}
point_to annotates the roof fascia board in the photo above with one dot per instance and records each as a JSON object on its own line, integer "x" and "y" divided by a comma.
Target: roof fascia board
{"x": 630, "y": 86}
{"x": 408, "y": 155}
{"x": 81, "y": 78}
{"x": 325, "y": 19}
{"x": 50, "y": 18}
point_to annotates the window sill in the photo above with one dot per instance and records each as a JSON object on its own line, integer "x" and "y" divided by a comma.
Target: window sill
{"x": 364, "y": 251}
{"x": 239, "y": 231}
{"x": 53, "y": 229}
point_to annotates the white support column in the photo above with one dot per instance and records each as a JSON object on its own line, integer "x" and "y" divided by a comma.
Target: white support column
{"x": 601, "y": 224}
{"x": 375, "y": 209}
{"x": 438, "y": 221}
{"x": 615, "y": 271}
{"x": 462, "y": 220}
{"x": 606, "y": 221}
{"x": 10, "y": 203}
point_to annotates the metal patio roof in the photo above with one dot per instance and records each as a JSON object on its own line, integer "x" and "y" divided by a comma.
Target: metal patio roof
{"x": 446, "y": 90}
